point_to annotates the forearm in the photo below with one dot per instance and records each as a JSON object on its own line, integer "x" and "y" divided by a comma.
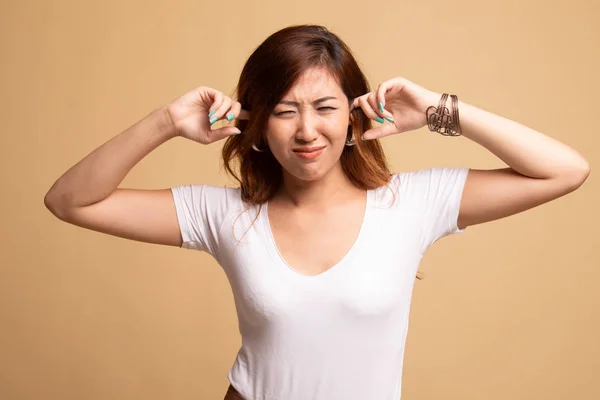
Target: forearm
{"x": 525, "y": 150}
{"x": 96, "y": 176}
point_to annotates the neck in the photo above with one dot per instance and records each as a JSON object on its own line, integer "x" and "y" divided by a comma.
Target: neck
{"x": 332, "y": 189}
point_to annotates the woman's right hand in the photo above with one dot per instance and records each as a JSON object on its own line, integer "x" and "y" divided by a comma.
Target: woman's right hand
{"x": 190, "y": 114}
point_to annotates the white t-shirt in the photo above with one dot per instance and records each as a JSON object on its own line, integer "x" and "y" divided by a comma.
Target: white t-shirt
{"x": 340, "y": 334}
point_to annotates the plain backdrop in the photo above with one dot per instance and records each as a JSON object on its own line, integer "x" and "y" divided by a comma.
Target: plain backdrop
{"x": 507, "y": 310}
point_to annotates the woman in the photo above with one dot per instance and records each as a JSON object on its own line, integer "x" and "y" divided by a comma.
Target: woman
{"x": 322, "y": 277}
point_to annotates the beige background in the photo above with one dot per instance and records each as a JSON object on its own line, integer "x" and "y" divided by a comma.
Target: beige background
{"x": 507, "y": 310}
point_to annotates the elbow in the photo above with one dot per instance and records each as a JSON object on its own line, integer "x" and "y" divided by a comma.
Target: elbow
{"x": 50, "y": 204}
{"x": 54, "y": 206}
{"x": 584, "y": 172}
{"x": 578, "y": 176}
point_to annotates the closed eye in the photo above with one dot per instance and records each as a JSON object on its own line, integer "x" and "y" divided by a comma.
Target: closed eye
{"x": 320, "y": 108}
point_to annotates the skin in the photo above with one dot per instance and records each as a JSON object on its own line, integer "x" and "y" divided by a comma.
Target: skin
{"x": 319, "y": 184}
{"x": 317, "y": 212}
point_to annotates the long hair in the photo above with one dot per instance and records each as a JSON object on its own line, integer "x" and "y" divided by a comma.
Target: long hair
{"x": 268, "y": 74}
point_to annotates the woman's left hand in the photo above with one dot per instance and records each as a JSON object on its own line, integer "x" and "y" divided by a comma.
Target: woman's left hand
{"x": 401, "y": 100}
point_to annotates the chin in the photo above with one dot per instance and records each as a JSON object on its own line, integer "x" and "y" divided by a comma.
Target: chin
{"x": 310, "y": 172}
{"x": 309, "y": 177}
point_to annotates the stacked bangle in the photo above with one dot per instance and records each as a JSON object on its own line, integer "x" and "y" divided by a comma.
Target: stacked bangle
{"x": 439, "y": 119}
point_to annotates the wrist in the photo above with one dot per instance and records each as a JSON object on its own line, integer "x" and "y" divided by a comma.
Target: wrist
{"x": 442, "y": 114}
{"x": 429, "y": 99}
{"x": 433, "y": 99}
{"x": 166, "y": 124}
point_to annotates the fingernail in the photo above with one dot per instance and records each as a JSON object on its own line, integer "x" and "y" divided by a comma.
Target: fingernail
{"x": 213, "y": 120}
{"x": 210, "y": 114}
{"x": 381, "y": 106}
{"x": 238, "y": 132}
{"x": 380, "y": 120}
{"x": 390, "y": 119}
{"x": 229, "y": 117}
{"x": 362, "y": 137}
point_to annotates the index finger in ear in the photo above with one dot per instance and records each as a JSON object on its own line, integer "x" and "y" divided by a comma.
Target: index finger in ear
{"x": 244, "y": 114}
{"x": 355, "y": 103}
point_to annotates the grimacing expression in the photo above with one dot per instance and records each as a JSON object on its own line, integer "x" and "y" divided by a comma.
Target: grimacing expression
{"x": 314, "y": 113}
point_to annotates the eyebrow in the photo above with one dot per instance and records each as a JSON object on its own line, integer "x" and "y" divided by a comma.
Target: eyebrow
{"x": 294, "y": 103}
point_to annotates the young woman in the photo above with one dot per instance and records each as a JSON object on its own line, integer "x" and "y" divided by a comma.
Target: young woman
{"x": 320, "y": 242}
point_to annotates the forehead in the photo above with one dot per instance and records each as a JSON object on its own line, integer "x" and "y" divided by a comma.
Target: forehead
{"x": 313, "y": 84}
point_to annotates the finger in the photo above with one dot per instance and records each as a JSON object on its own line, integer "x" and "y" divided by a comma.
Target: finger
{"x": 373, "y": 103}
{"x": 368, "y": 109}
{"x": 234, "y": 111}
{"x": 217, "y": 98}
{"x": 380, "y": 131}
{"x": 381, "y": 91}
{"x": 221, "y": 133}
{"x": 237, "y": 113}
{"x": 221, "y": 110}
{"x": 243, "y": 114}
{"x": 355, "y": 103}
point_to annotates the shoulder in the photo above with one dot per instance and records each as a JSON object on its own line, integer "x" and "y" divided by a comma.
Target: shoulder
{"x": 210, "y": 191}
{"x": 211, "y": 199}
{"x": 424, "y": 178}
{"x": 226, "y": 193}
{"x": 421, "y": 184}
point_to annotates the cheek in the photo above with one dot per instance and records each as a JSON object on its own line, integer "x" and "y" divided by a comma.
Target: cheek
{"x": 338, "y": 127}
{"x": 279, "y": 136}
{"x": 281, "y": 132}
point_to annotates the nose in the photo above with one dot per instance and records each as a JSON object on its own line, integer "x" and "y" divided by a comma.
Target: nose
{"x": 307, "y": 130}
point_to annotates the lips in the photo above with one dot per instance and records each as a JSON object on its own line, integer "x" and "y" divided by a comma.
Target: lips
{"x": 308, "y": 149}
{"x": 309, "y": 155}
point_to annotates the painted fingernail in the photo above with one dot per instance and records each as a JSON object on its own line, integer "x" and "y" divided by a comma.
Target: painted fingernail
{"x": 229, "y": 117}
{"x": 213, "y": 120}
{"x": 362, "y": 137}
{"x": 380, "y": 120}
{"x": 381, "y": 106}
{"x": 237, "y": 132}
{"x": 390, "y": 119}
{"x": 210, "y": 114}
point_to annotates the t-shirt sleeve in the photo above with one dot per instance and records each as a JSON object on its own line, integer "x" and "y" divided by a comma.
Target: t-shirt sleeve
{"x": 201, "y": 211}
{"x": 435, "y": 196}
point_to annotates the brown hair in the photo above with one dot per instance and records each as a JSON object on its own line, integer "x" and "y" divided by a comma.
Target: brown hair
{"x": 270, "y": 71}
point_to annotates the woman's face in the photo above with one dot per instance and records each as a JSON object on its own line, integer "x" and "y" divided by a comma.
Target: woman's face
{"x": 314, "y": 114}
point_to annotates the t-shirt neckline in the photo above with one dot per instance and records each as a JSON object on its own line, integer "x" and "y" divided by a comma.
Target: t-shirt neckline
{"x": 272, "y": 245}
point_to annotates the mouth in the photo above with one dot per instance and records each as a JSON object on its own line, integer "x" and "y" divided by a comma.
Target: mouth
{"x": 309, "y": 153}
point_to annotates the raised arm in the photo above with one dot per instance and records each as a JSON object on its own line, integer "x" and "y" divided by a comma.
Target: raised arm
{"x": 87, "y": 195}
